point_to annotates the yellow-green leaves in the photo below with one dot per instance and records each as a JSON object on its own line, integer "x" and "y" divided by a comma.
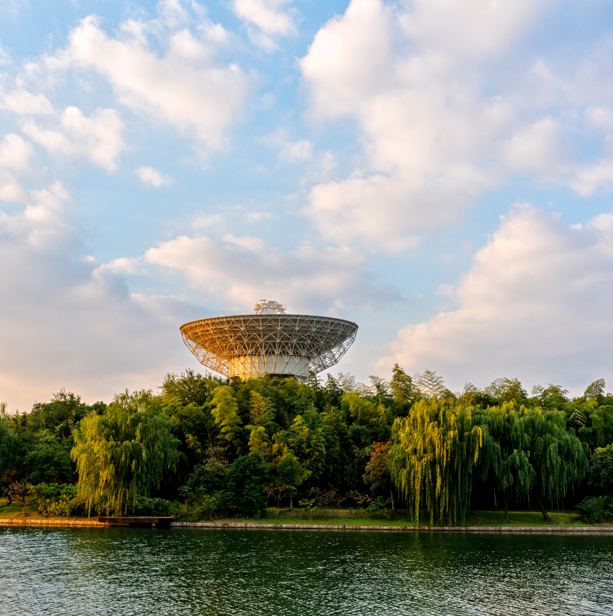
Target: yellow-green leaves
{"x": 436, "y": 449}
{"x": 225, "y": 413}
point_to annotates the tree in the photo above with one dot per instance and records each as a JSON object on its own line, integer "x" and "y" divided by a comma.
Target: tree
{"x": 507, "y": 390}
{"x": 556, "y": 455}
{"x": 429, "y": 384}
{"x": 403, "y": 391}
{"x": 124, "y": 453}
{"x": 261, "y": 412}
{"x": 377, "y": 474}
{"x": 291, "y": 475}
{"x": 7, "y": 439}
{"x": 600, "y": 479}
{"x": 246, "y": 479}
{"x": 435, "y": 453}
{"x": 48, "y": 460}
{"x": 225, "y": 413}
{"x": 506, "y": 454}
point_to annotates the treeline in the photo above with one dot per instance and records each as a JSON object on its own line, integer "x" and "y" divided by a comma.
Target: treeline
{"x": 205, "y": 446}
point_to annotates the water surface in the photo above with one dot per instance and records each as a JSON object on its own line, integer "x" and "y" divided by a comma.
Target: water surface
{"x": 280, "y": 573}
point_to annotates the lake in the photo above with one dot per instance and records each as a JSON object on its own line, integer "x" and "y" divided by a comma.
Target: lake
{"x": 280, "y": 573}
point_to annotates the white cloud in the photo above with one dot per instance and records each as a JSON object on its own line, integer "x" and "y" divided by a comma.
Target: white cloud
{"x": 22, "y": 102}
{"x": 291, "y": 151}
{"x": 11, "y": 189}
{"x": 237, "y": 270}
{"x": 534, "y": 305}
{"x": 15, "y": 153}
{"x": 448, "y": 103}
{"x": 268, "y": 17}
{"x": 101, "y": 339}
{"x": 152, "y": 176}
{"x": 97, "y": 137}
{"x": 184, "y": 88}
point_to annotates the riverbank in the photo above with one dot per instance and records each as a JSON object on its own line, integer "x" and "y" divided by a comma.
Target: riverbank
{"x": 480, "y": 521}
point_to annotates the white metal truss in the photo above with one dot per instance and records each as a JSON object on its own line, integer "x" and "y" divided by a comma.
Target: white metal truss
{"x": 278, "y": 344}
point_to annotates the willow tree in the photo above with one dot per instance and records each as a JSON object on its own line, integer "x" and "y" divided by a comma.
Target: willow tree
{"x": 507, "y": 453}
{"x": 556, "y": 454}
{"x": 435, "y": 453}
{"x": 123, "y": 453}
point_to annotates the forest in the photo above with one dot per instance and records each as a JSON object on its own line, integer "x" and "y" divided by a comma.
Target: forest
{"x": 204, "y": 447}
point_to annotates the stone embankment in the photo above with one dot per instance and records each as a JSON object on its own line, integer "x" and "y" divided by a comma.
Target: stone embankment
{"x": 336, "y": 527}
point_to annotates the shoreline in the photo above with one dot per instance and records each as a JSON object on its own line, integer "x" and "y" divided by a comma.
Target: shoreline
{"x": 328, "y": 527}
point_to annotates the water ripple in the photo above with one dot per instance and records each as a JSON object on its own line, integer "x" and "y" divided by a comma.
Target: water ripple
{"x": 93, "y": 571}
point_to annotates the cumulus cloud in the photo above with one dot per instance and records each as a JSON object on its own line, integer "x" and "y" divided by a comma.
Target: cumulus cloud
{"x": 185, "y": 87}
{"x": 534, "y": 305}
{"x": 67, "y": 322}
{"x": 237, "y": 270}
{"x": 152, "y": 176}
{"x": 448, "y": 104}
{"x": 268, "y": 17}
{"x": 15, "y": 153}
{"x": 23, "y": 102}
{"x": 290, "y": 151}
{"x": 97, "y": 137}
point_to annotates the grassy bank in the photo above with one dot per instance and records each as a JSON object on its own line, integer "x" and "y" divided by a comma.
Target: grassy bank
{"x": 348, "y": 518}
{"x": 402, "y": 518}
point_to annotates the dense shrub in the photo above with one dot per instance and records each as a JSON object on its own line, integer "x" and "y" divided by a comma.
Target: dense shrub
{"x": 596, "y": 508}
{"x": 152, "y": 506}
{"x": 246, "y": 479}
{"x": 54, "y": 499}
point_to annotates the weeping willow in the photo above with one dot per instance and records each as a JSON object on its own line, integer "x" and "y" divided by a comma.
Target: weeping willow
{"x": 435, "y": 453}
{"x": 122, "y": 454}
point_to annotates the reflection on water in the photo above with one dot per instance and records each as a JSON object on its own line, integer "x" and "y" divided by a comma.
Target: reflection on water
{"x": 226, "y": 572}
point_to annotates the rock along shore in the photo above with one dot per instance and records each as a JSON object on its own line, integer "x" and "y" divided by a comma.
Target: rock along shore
{"x": 337, "y": 527}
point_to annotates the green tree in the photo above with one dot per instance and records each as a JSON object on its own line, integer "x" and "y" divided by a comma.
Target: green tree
{"x": 246, "y": 479}
{"x": 291, "y": 474}
{"x": 506, "y": 454}
{"x": 48, "y": 459}
{"x": 123, "y": 453}
{"x": 556, "y": 454}
{"x": 261, "y": 413}
{"x": 435, "y": 453}
{"x": 7, "y": 439}
{"x": 225, "y": 413}
{"x": 600, "y": 479}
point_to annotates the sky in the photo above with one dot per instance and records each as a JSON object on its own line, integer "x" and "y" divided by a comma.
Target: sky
{"x": 438, "y": 171}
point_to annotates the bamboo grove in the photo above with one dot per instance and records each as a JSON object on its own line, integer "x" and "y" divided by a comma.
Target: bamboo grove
{"x": 221, "y": 447}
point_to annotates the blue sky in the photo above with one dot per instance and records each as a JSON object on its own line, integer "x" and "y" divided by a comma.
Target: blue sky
{"x": 439, "y": 171}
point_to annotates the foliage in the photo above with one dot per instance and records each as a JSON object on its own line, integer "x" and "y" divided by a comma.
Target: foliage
{"x": 435, "y": 453}
{"x": 246, "y": 479}
{"x": 225, "y": 413}
{"x": 601, "y": 471}
{"x": 54, "y": 499}
{"x": 49, "y": 458}
{"x": 378, "y": 508}
{"x": 596, "y": 508}
{"x": 123, "y": 454}
{"x": 377, "y": 474}
{"x": 152, "y": 506}
{"x": 340, "y": 441}
{"x": 7, "y": 439}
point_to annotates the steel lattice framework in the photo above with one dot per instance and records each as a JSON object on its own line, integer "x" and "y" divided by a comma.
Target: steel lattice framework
{"x": 278, "y": 344}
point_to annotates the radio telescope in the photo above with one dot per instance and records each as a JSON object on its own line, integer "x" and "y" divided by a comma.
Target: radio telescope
{"x": 269, "y": 341}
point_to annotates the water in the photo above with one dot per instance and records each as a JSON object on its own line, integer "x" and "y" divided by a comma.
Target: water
{"x": 280, "y": 573}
